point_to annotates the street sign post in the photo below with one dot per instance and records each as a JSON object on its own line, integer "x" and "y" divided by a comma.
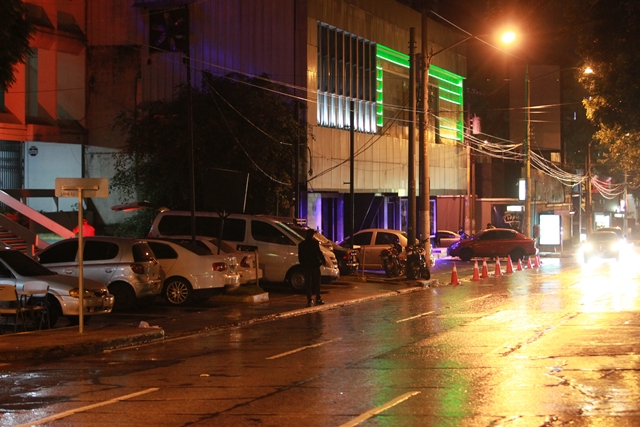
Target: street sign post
{"x": 81, "y": 187}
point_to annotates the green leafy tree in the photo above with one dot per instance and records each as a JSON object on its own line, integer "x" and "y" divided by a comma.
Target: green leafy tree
{"x": 608, "y": 44}
{"x": 240, "y": 124}
{"x": 15, "y": 32}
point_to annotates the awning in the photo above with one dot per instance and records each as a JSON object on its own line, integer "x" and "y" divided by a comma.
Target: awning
{"x": 133, "y": 206}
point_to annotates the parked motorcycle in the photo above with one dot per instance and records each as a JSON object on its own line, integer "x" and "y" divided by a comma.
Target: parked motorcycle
{"x": 417, "y": 264}
{"x": 393, "y": 260}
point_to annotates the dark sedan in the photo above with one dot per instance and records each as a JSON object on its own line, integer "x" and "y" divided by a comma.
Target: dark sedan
{"x": 494, "y": 242}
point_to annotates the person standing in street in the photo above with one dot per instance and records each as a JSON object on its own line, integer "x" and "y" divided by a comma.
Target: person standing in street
{"x": 311, "y": 258}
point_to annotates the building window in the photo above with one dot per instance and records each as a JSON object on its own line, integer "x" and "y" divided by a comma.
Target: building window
{"x": 32, "y": 109}
{"x": 347, "y": 76}
{"x": 445, "y": 94}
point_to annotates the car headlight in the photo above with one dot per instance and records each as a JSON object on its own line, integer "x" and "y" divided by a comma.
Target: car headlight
{"x": 615, "y": 246}
{"x": 75, "y": 292}
{"x": 588, "y": 247}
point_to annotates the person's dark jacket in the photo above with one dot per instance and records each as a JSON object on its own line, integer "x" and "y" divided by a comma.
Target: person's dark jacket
{"x": 309, "y": 253}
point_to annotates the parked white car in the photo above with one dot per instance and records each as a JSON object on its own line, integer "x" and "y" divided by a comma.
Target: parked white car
{"x": 17, "y": 268}
{"x": 247, "y": 268}
{"x": 193, "y": 272}
{"x": 127, "y": 267}
{"x": 277, "y": 244}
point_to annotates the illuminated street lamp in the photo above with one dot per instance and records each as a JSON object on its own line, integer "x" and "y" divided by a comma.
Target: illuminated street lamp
{"x": 423, "y": 118}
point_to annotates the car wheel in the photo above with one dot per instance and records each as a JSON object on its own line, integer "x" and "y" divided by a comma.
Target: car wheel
{"x": 466, "y": 254}
{"x": 177, "y": 291}
{"x": 124, "y": 296}
{"x": 516, "y": 254}
{"x": 296, "y": 278}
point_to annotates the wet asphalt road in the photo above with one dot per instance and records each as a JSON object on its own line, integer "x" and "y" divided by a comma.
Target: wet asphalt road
{"x": 553, "y": 346}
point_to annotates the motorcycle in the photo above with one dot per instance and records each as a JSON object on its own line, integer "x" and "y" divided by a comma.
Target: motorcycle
{"x": 393, "y": 260}
{"x": 417, "y": 264}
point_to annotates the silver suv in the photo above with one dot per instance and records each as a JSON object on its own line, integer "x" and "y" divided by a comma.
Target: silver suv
{"x": 126, "y": 266}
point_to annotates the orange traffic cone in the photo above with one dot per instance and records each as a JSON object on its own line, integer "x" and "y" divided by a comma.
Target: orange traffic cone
{"x": 529, "y": 262}
{"x": 476, "y": 273}
{"x": 536, "y": 262}
{"x": 485, "y": 272}
{"x": 519, "y": 267}
{"x": 497, "y": 272}
{"x": 454, "y": 276}
{"x": 539, "y": 260}
{"x": 509, "y": 265}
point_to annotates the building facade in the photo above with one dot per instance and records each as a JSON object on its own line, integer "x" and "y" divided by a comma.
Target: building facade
{"x": 92, "y": 64}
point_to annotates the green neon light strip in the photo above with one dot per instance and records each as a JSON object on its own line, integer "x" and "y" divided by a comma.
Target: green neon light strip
{"x": 450, "y": 86}
{"x": 393, "y": 56}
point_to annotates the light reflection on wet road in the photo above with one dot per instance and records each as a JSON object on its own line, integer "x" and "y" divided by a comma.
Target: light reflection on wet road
{"x": 552, "y": 346}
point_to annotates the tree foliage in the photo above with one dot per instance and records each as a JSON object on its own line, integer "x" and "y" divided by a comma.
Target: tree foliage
{"x": 15, "y": 32}
{"x": 239, "y": 123}
{"x": 608, "y": 43}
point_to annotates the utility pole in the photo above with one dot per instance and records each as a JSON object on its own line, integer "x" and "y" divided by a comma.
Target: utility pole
{"x": 424, "y": 210}
{"x": 411, "y": 196}
{"x": 527, "y": 154}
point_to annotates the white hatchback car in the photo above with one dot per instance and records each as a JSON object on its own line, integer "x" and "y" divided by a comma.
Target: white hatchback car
{"x": 193, "y": 272}
{"x": 127, "y": 267}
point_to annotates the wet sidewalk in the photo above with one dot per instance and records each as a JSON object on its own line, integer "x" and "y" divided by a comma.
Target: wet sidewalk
{"x": 68, "y": 341}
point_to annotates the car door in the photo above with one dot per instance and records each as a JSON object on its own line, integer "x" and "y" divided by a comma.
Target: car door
{"x": 485, "y": 245}
{"x": 383, "y": 240}
{"x": 277, "y": 252}
{"x": 362, "y": 240}
{"x": 61, "y": 257}
{"x": 101, "y": 260}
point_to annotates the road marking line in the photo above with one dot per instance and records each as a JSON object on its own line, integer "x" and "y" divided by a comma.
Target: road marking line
{"x": 415, "y": 317}
{"x": 476, "y": 299}
{"x": 382, "y": 408}
{"x": 86, "y": 408}
{"x": 302, "y": 348}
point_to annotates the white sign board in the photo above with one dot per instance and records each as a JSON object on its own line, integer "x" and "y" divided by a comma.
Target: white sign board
{"x": 550, "y": 230}
{"x": 91, "y": 187}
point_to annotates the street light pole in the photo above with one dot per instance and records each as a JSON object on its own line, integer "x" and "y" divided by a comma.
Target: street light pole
{"x": 527, "y": 154}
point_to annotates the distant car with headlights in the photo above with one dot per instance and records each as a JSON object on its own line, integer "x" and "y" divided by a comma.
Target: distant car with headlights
{"x": 192, "y": 272}
{"x": 16, "y": 268}
{"x": 494, "y": 242}
{"x": 127, "y": 267}
{"x": 603, "y": 244}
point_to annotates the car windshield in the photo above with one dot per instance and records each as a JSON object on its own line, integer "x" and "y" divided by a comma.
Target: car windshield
{"x": 224, "y": 246}
{"x": 289, "y": 230}
{"x": 23, "y": 265}
{"x": 603, "y": 236}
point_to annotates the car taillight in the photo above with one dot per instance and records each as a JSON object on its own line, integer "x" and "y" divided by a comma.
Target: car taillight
{"x": 219, "y": 266}
{"x": 245, "y": 262}
{"x": 137, "y": 268}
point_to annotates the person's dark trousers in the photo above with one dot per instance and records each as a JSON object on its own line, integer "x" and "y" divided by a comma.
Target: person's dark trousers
{"x": 312, "y": 283}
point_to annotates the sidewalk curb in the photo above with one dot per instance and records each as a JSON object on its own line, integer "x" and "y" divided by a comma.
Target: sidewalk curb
{"x": 130, "y": 338}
